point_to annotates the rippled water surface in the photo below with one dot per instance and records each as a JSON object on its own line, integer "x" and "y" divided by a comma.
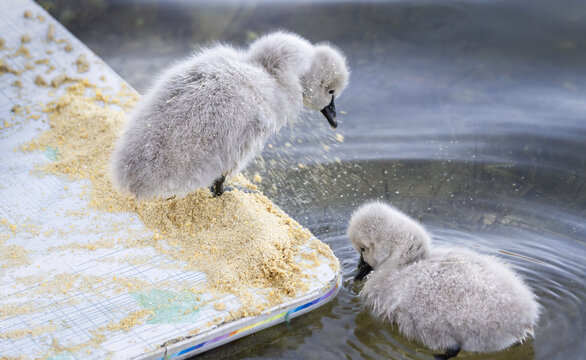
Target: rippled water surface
{"x": 468, "y": 115}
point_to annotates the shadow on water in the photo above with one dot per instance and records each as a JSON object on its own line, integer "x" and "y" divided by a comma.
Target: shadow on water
{"x": 468, "y": 115}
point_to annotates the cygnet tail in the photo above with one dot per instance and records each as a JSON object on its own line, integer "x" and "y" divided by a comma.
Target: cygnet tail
{"x": 130, "y": 173}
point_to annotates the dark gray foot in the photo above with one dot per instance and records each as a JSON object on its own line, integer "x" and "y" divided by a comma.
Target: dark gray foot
{"x": 218, "y": 188}
{"x": 450, "y": 352}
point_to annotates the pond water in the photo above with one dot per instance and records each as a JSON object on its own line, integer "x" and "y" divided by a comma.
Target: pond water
{"x": 468, "y": 115}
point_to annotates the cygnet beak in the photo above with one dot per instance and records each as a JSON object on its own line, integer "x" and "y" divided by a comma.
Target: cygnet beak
{"x": 330, "y": 114}
{"x": 363, "y": 269}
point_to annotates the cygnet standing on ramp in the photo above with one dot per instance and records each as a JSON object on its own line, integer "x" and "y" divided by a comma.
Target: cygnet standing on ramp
{"x": 209, "y": 115}
{"x": 447, "y": 298}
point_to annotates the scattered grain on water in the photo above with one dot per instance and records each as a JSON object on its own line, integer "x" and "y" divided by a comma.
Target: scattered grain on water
{"x": 257, "y": 178}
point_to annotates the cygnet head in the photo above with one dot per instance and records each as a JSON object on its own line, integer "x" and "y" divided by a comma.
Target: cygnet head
{"x": 379, "y": 233}
{"x": 326, "y": 79}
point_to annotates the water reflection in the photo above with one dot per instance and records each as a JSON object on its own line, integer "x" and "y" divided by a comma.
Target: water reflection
{"x": 468, "y": 115}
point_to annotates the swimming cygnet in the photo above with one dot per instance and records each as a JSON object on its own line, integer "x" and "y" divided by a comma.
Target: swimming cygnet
{"x": 209, "y": 115}
{"x": 447, "y": 298}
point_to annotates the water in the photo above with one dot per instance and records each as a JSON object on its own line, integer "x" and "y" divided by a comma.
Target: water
{"x": 468, "y": 115}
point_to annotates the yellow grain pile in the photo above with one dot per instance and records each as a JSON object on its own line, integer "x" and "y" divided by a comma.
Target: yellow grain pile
{"x": 239, "y": 240}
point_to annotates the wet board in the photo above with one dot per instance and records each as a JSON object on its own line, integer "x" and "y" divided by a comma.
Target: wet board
{"x": 68, "y": 288}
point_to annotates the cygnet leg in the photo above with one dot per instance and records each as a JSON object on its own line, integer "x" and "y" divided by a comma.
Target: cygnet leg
{"x": 218, "y": 188}
{"x": 450, "y": 352}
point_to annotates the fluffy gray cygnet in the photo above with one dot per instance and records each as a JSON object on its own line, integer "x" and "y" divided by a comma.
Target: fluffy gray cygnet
{"x": 209, "y": 115}
{"x": 447, "y": 298}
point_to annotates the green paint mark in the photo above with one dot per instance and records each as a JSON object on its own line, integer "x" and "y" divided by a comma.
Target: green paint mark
{"x": 63, "y": 356}
{"x": 52, "y": 153}
{"x": 169, "y": 307}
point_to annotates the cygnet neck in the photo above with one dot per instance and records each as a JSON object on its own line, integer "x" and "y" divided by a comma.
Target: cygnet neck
{"x": 401, "y": 259}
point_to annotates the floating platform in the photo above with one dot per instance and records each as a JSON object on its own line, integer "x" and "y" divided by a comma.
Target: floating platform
{"x": 87, "y": 273}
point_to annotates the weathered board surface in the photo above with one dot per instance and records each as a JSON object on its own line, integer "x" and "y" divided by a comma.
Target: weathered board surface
{"x": 63, "y": 293}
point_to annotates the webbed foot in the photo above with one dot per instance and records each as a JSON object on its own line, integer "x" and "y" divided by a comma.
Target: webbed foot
{"x": 217, "y": 188}
{"x": 450, "y": 352}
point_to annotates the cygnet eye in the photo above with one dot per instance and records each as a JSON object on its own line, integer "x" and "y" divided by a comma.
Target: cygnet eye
{"x": 331, "y": 92}
{"x": 361, "y": 250}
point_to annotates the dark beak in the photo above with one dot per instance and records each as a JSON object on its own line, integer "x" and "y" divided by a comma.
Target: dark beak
{"x": 330, "y": 114}
{"x": 363, "y": 269}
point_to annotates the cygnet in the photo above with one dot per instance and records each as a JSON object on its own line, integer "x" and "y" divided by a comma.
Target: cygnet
{"x": 209, "y": 115}
{"x": 446, "y": 298}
